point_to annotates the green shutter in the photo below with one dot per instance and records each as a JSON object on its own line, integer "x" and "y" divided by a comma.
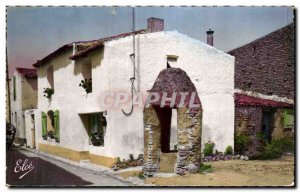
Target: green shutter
{"x": 56, "y": 124}
{"x": 14, "y": 84}
{"x": 44, "y": 124}
{"x": 288, "y": 118}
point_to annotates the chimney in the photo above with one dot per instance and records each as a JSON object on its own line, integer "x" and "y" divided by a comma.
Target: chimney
{"x": 210, "y": 37}
{"x": 155, "y": 24}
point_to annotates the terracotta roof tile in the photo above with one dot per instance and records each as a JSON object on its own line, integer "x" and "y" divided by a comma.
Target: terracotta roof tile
{"x": 100, "y": 42}
{"x": 242, "y": 100}
{"x": 90, "y": 46}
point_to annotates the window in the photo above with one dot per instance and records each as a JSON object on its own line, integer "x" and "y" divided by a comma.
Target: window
{"x": 97, "y": 129}
{"x": 289, "y": 119}
{"x": 86, "y": 69}
{"x": 171, "y": 60}
{"x": 95, "y": 125}
{"x": 50, "y": 125}
{"x": 50, "y": 77}
{"x": 14, "y": 88}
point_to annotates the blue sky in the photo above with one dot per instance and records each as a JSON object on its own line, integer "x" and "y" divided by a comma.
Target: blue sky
{"x": 34, "y": 32}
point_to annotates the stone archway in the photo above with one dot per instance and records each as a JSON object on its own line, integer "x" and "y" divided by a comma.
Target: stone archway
{"x": 189, "y": 123}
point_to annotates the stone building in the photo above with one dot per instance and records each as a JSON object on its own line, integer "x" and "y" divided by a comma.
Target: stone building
{"x": 23, "y": 97}
{"x": 72, "y": 123}
{"x": 265, "y": 87}
{"x": 157, "y": 122}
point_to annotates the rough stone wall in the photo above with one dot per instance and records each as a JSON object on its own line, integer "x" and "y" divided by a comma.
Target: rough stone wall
{"x": 248, "y": 121}
{"x": 151, "y": 141}
{"x": 279, "y": 131}
{"x": 267, "y": 65}
{"x": 189, "y": 141}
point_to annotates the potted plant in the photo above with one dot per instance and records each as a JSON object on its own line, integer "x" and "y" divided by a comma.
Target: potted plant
{"x": 87, "y": 85}
{"x": 50, "y": 134}
{"x": 48, "y": 92}
{"x": 96, "y": 140}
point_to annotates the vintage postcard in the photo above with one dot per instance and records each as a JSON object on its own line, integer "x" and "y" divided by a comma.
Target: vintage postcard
{"x": 140, "y": 96}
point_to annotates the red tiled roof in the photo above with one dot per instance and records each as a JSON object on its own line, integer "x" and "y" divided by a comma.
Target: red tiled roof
{"x": 99, "y": 43}
{"x": 242, "y": 100}
{"x": 25, "y": 72}
{"x": 53, "y": 54}
{"x": 95, "y": 44}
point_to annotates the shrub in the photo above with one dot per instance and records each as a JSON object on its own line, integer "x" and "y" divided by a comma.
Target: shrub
{"x": 131, "y": 158}
{"x": 118, "y": 160}
{"x": 205, "y": 168}
{"x": 97, "y": 139}
{"x": 48, "y": 92}
{"x": 175, "y": 146}
{"x": 87, "y": 85}
{"x": 276, "y": 148}
{"x": 208, "y": 148}
{"x": 141, "y": 175}
{"x": 228, "y": 150}
{"x": 50, "y": 134}
{"x": 241, "y": 142}
{"x": 140, "y": 156}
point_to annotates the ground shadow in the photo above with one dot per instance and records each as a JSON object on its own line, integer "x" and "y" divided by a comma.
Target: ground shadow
{"x": 43, "y": 174}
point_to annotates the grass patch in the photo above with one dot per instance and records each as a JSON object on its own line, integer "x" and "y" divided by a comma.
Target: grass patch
{"x": 276, "y": 148}
{"x": 205, "y": 168}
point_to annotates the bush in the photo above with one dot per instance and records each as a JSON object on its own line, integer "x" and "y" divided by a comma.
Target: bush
{"x": 87, "y": 85}
{"x": 228, "y": 150}
{"x": 131, "y": 158}
{"x": 141, "y": 175}
{"x": 208, "y": 148}
{"x": 118, "y": 160}
{"x": 241, "y": 142}
{"x": 175, "y": 146}
{"x": 276, "y": 148}
{"x": 205, "y": 168}
{"x": 48, "y": 92}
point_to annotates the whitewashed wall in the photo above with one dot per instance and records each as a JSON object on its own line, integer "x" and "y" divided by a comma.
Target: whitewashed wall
{"x": 211, "y": 71}
{"x": 16, "y": 106}
{"x": 29, "y": 125}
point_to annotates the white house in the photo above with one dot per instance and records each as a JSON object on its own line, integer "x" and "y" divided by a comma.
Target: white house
{"x": 23, "y": 97}
{"x": 73, "y": 116}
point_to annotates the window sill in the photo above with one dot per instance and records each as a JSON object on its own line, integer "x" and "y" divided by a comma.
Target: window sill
{"x": 51, "y": 140}
{"x": 94, "y": 146}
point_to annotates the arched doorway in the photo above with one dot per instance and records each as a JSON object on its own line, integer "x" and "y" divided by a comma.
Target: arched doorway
{"x": 172, "y": 83}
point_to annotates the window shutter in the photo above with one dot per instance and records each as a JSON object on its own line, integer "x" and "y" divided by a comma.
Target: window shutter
{"x": 56, "y": 124}
{"x": 44, "y": 124}
{"x": 288, "y": 118}
{"x": 14, "y": 85}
